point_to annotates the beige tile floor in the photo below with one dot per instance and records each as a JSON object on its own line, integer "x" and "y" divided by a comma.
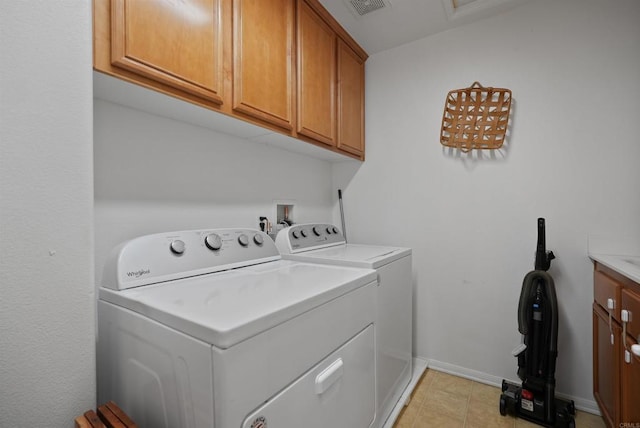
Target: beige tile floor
{"x": 443, "y": 400}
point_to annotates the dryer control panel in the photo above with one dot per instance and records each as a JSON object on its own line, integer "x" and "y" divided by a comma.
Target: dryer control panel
{"x": 174, "y": 255}
{"x": 304, "y": 237}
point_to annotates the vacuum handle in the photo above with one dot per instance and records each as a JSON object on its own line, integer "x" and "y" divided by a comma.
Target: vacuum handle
{"x": 543, "y": 257}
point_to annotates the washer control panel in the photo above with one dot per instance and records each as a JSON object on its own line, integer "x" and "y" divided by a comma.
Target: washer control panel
{"x": 310, "y": 236}
{"x": 174, "y": 255}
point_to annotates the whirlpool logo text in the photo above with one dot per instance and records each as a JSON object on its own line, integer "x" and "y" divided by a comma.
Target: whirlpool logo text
{"x": 138, "y": 273}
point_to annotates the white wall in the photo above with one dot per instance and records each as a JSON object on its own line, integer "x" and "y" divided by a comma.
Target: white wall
{"x": 572, "y": 157}
{"x": 154, "y": 174}
{"x": 47, "y": 347}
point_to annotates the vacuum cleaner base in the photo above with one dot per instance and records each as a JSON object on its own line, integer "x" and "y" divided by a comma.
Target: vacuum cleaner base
{"x": 532, "y": 407}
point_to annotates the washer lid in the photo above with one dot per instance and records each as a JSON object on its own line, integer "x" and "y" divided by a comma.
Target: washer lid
{"x": 369, "y": 256}
{"x": 228, "y": 307}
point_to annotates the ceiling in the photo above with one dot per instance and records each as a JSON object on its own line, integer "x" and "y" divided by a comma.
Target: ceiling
{"x": 403, "y": 21}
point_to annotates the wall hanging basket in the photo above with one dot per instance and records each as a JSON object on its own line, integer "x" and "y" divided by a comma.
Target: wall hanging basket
{"x": 475, "y": 118}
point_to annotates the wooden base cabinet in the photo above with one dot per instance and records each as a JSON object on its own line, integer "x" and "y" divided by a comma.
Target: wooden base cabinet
{"x": 616, "y": 328}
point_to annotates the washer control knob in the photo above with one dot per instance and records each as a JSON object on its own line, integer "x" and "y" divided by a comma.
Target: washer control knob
{"x": 213, "y": 241}
{"x": 317, "y": 230}
{"x": 303, "y": 233}
{"x": 258, "y": 239}
{"x": 177, "y": 247}
{"x": 335, "y": 229}
{"x": 329, "y": 231}
{"x": 295, "y": 234}
{"x": 243, "y": 240}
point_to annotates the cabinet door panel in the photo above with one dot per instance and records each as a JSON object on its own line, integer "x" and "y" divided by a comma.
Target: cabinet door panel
{"x": 316, "y": 77}
{"x": 606, "y": 365}
{"x": 263, "y": 62}
{"x": 350, "y": 100}
{"x": 171, "y": 42}
{"x": 631, "y": 388}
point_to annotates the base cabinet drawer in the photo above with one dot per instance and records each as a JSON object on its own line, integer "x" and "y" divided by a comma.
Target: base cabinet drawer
{"x": 631, "y": 304}
{"x": 607, "y": 293}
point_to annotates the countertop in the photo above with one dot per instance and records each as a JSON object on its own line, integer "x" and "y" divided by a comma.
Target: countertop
{"x": 620, "y": 254}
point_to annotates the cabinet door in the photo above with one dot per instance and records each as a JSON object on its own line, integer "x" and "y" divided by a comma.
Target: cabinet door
{"x": 263, "y": 60}
{"x": 606, "y": 365}
{"x": 316, "y": 47}
{"x": 631, "y": 388}
{"x": 350, "y": 100}
{"x": 172, "y": 42}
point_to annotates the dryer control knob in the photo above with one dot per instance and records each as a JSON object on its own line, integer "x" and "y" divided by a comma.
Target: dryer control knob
{"x": 316, "y": 230}
{"x": 213, "y": 241}
{"x": 295, "y": 234}
{"x": 258, "y": 239}
{"x": 177, "y": 247}
{"x": 303, "y": 233}
{"x": 243, "y": 240}
{"x": 329, "y": 231}
{"x": 335, "y": 230}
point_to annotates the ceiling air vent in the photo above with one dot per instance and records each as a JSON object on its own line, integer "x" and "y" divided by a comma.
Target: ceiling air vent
{"x": 362, "y": 7}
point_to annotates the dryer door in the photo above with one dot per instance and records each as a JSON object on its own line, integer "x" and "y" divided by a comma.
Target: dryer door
{"x": 338, "y": 392}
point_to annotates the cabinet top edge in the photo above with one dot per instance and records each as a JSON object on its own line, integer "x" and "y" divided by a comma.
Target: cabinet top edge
{"x": 333, "y": 23}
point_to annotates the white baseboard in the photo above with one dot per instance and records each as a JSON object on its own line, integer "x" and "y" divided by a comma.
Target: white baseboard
{"x": 589, "y": 406}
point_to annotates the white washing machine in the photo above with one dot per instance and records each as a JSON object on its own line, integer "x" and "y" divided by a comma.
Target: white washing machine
{"x": 211, "y": 328}
{"x": 325, "y": 244}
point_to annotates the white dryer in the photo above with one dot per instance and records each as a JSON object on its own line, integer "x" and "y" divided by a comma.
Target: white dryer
{"x": 210, "y": 328}
{"x": 325, "y": 244}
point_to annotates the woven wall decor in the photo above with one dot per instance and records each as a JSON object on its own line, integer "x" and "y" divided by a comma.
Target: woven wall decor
{"x": 475, "y": 118}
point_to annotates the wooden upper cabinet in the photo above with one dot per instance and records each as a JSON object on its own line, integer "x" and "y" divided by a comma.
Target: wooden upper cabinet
{"x": 284, "y": 65}
{"x": 350, "y": 100}
{"x": 263, "y": 60}
{"x": 316, "y": 49}
{"x": 172, "y": 42}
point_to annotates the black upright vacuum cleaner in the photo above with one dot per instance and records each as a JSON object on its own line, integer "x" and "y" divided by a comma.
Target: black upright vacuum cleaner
{"x": 534, "y": 400}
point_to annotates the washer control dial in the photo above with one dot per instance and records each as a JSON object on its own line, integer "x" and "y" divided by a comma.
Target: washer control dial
{"x": 258, "y": 239}
{"x": 303, "y": 233}
{"x": 213, "y": 241}
{"x": 295, "y": 234}
{"x": 335, "y": 229}
{"x": 177, "y": 247}
{"x": 317, "y": 230}
{"x": 243, "y": 240}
